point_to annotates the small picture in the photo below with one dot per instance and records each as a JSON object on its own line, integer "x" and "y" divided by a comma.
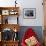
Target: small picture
{"x": 29, "y": 13}
{"x": 5, "y": 12}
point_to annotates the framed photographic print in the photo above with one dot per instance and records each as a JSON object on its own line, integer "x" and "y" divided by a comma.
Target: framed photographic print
{"x": 5, "y": 12}
{"x": 29, "y": 13}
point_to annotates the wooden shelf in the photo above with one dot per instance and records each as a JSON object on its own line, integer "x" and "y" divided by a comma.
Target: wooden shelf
{"x": 3, "y": 8}
{"x": 11, "y": 26}
{"x": 9, "y": 11}
{"x": 9, "y": 43}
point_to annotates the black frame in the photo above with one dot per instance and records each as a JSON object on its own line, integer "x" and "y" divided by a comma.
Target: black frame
{"x": 29, "y": 10}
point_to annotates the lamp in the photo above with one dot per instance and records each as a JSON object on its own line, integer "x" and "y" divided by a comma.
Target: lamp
{"x": 15, "y": 3}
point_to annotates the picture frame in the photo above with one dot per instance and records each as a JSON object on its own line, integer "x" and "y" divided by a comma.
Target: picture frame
{"x": 5, "y": 12}
{"x": 29, "y": 13}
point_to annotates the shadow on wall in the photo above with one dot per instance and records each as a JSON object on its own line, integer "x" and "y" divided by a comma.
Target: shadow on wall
{"x": 37, "y": 29}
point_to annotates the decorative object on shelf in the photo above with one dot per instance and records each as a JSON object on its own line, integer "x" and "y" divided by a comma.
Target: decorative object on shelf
{"x": 5, "y": 12}
{"x": 13, "y": 12}
{"x": 29, "y": 13}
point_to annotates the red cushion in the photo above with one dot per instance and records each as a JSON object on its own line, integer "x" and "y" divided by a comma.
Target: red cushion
{"x": 28, "y": 33}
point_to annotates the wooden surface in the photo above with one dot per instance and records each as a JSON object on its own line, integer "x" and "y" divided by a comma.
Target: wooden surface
{"x": 10, "y": 26}
{"x": 45, "y": 37}
{"x": 12, "y": 43}
{"x": 8, "y": 8}
{"x": 0, "y": 43}
{"x": 9, "y": 43}
{"x": 45, "y": 13}
{"x": 45, "y": 22}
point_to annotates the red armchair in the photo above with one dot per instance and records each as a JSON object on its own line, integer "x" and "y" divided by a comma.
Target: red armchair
{"x": 29, "y": 36}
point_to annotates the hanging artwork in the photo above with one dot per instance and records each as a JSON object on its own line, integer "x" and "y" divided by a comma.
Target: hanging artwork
{"x": 29, "y": 13}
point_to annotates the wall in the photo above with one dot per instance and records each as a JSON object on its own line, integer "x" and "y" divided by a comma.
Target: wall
{"x": 27, "y": 4}
{"x": 39, "y": 13}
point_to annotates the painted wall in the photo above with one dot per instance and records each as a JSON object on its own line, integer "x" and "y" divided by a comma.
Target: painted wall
{"x": 27, "y": 4}
{"x": 39, "y": 13}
